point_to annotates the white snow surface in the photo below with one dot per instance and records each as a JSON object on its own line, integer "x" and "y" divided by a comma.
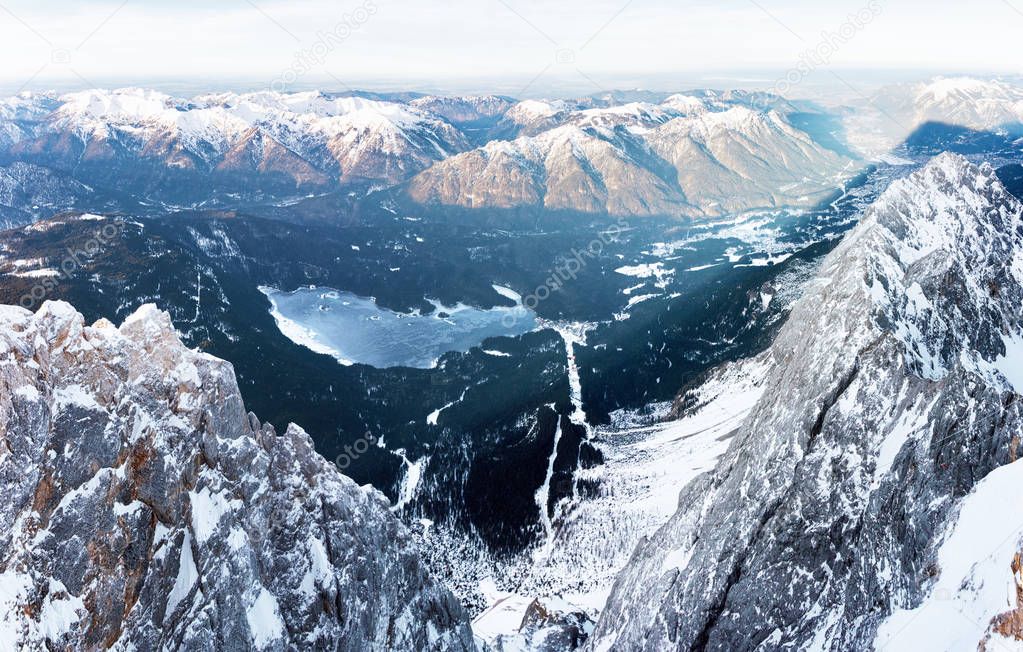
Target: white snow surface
{"x": 646, "y": 466}
{"x": 976, "y": 581}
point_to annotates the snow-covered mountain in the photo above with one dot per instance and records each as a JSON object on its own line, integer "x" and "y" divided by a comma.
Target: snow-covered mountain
{"x": 895, "y": 112}
{"x": 145, "y": 509}
{"x": 639, "y": 159}
{"x": 532, "y": 117}
{"x": 466, "y": 109}
{"x": 968, "y": 102}
{"x": 686, "y": 154}
{"x": 865, "y": 500}
{"x": 148, "y": 141}
{"x": 566, "y": 168}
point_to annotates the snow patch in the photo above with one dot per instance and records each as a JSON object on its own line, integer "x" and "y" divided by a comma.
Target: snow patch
{"x": 973, "y": 587}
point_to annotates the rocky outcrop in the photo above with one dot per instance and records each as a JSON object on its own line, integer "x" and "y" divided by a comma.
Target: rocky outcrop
{"x": 566, "y": 168}
{"x": 856, "y": 505}
{"x": 145, "y": 509}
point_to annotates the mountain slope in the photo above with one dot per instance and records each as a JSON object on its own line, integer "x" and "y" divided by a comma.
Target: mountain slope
{"x": 891, "y": 397}
{"x": 185, "y": 150}
{"x": 469, "y": 109}
{"x": 642, "y": 160}
{"x": 894, "y": 113}
{"x": 566, "y": 168}
{"x": 144, "y": 509}
{"x": 974, "y": 103}
{"x": 28, "y": 192}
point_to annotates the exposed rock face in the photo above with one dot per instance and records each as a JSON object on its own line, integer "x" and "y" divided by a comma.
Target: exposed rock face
{"x": 566, "y": 168}
{"x": 741, "y": 159}
{"x": 641, "y": 160}
{"x": 260, "y": 152}
{"x": 144, "y": 509}
{"x": 840, "y": 511}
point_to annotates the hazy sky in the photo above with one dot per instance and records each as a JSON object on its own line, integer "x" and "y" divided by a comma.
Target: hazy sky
{"x": 527, "y": 43}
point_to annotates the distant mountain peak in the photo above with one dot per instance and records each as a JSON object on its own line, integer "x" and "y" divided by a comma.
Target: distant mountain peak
{"x": 640, "y": 159}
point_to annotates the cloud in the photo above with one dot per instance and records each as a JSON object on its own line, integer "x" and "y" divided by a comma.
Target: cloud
{"x": 412, "y": 40}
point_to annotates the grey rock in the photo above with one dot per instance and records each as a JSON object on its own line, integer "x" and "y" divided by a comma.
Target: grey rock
{"x": 883, "y": 408}
{"x": 144, "y": 508}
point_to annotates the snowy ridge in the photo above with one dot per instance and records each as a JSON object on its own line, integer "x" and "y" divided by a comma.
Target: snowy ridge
{"x": 641, "y": 159}
{"x": 968, "y": 102}
{"x": 304, "y": 135}
{"x": 882, "y": 409}
{"x": 144, "y": 509}
{"x": 465, "y": 109}
{"x": 895, "y": 112}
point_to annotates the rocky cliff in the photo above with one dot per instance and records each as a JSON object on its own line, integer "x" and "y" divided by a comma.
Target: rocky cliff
{"x": 866, "y": 500}
{"x": 145, "y": 509}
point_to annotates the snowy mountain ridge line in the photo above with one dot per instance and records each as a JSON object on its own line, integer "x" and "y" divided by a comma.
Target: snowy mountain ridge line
{"x": 144, "y": 509}
{"x": 887, "y": 402}
{"x": 974, "y": 103}
{"x": 312, "y": 139}
{"x": 891, "y": 114}
{"x": 683, "y": 155}
{"x": 636, "y": 160}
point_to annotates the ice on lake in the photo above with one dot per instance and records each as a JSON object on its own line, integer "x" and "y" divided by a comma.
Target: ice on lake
{"x": 355, "y": 330}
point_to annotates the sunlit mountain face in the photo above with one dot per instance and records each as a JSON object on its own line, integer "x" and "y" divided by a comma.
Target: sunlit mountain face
{"x": 529, "y": 325}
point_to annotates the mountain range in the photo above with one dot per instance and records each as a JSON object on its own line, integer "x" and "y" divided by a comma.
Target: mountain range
{"x": 860, "y": 498}
{"x": 878, "y": 123}
{"x": 150, "y": 144}
{"x": 682, "y": 156}
{"x": 643, "y": 160}
{"x": 777, "y": 408}
{"x": 688, "y": 154}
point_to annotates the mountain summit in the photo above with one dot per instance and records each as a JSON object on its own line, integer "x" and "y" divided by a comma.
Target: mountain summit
{"x": 859, "y": 501}
{"x": 144, "y": 509}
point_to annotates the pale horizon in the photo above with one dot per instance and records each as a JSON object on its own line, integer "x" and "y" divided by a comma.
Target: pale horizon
{"x": 511, "y": 47}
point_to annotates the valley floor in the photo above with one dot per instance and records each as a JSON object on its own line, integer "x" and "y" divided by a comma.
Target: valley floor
{"x": 648, "y": 458}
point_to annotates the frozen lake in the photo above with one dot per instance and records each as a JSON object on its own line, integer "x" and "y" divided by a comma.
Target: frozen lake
{"x": 355, "y": 330}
